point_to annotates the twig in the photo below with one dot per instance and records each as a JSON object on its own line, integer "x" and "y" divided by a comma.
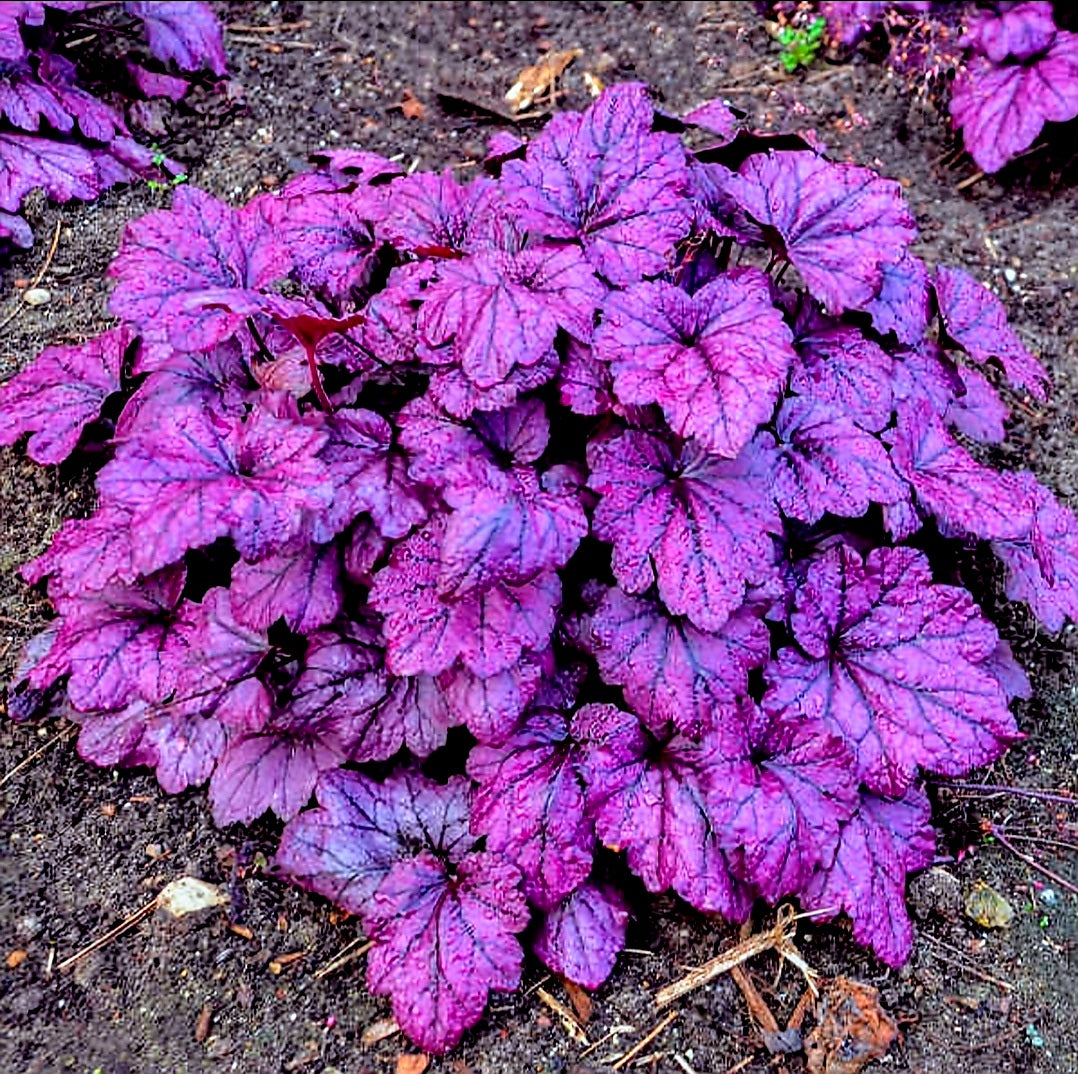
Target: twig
{"x": 683, "y": 1063}
{"x": 277, "y": 28}
{"x": 39, "y": 277}
{"x": 1032, "y": 862}
{"x": 759, "y": 1010}
{"x": 599, "y": 1043}
{"x": 65, "y": 733}
{"x": 119, "y": 930}
{"x": 570, "y": 1022}
{"x": 976, "y": 177}
{"x": 779, "y": 938}
{"x": 274, "y": 46}
{"x": 349, "y": 953}
{"x": 964, "y": 964}
{"x": 644, "y": 1041}
{"x": 1019, "y": 792}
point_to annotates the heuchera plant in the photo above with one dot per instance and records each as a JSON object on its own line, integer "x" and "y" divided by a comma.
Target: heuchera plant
{"x": 539, "y": 517}
{"x": 58, "y": 135}
{"x": 1013, "y": 69}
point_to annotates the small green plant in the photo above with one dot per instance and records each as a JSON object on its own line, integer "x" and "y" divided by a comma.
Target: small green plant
{"x": 800, "y": 44}
{"x": 158, "y": 185}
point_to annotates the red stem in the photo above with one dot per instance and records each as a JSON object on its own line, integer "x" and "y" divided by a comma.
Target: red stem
{"x": 316, "y": 379}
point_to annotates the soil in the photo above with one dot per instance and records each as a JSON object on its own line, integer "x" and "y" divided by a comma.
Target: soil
{"x": 81, "y": 848}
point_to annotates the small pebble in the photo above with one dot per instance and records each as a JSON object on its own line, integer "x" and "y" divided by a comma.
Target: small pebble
{"x": 1009, "y": 274}
{"x": 1050, "y": 897}
{"x": 37, "y": 296}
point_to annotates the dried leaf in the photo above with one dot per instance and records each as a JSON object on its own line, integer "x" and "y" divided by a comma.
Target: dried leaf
{"x": 539, "y": 80}
{"x": 189, "y": 895}
{"x": 412, "y": 107}
{"x": 15, "y": 959}
{"x": 852, "y": 1029}
{"x": 412, "y": 1064}
{"x": 381, "y": 1030}
{"x": 580, "y": 1000}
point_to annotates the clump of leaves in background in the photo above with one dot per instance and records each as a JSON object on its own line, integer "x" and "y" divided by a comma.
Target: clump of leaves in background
{"x": 799, "y": 44}
{"x": 592, "y": 507}
{"x": 67, "y": 137}
{"x": 1004, "y": 69}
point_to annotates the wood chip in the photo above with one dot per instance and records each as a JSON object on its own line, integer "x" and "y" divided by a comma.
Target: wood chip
{"x": 411, "y": 106}
{"x": 15, "y": 959}
{"x": 202, "y": 1025}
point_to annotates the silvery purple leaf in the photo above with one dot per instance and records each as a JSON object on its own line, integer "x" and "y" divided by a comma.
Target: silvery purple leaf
{"x": 903, "y": 300}
{"x": 700, "y": 526}
{"x": 838, "y": 224}
{"x": 1020, "y": 30}
{"x": 581, "y": 937}
{"x": 435, "y": 216}
{"x": 605, "y": 179}
{"x": 778, "y": 793}
{"x": 60, "y": 393}
{"x": 975, "y": 319}
{"x": 444, "y": 941}
{"x": 186, "y": 33}
{"x": 300, "y": 584}
{"x": 530, "y": 806}
{"x": 651, "y": 800}
{"x": 714, "y": 361}
{"x": 893, "y": 664}
{"x": 671, "y": 672}
{"x": 491, "y": 706}
{"x": 414, "y": 714}
{"x": 882, "y": 842}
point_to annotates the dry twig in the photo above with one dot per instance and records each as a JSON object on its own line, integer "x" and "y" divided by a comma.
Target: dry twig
{"x": 349, "y": 953}
{"x": 38, "y": 278}
{"x": 67, "y": 732}
{"x": 643, "y": 1042}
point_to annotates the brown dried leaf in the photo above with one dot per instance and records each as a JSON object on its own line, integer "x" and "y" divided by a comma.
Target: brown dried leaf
{"x": 412, "y": 1064}
{"x": 15, "y": 959}
{"x": 380, "y": 1030}
{"x": 852, "y": 1029}
{"x": 202, "y": 1025}
{"x": 539, "y": 80}
{"x": 580, "y": 1000}
{"x": 412, "y": 107}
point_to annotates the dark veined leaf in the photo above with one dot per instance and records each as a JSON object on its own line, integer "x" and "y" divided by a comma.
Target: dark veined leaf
{"x": 581, "y": 937}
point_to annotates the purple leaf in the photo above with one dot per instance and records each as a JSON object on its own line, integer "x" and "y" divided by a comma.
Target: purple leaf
{"x": 443, "y": 941}
{"x": 652, "y": 802}
{"x": 714, "y": 361}
{"x": 330, "y": 237}
{"x": 581, "y": 937}
{"x": 345, "y": 848}
{"x": 119, "y": 643}
{"x": 975, "y": 319}
{"x": 715, "y": 117}
{"x": 451, "y": 389}
{"x": 502, "y": 310}
{"x": 1000, "y": 110}
{"x": 173, "y": 262}
{"x": 877, "y": 847}
{"x": 902, "y": 303}
{"x": 839, "y": 224}
{"x": 584, "y": 381}
{"x": 824, "y": 462}
{"x": 64, "y": 170}
{"x": 1019, "y": 30}
{"x": 300, "y": 584}
{"x": 415, "y": 714}
{"x": 978, "y": 412}
{"x": 605, "y": 179}
{"x": 700, "y": 526}
{"x": 488, "y": 630}
{"x": 530, "y": 806}
{"x": 183, "y": 748}
{"x": 1042, "y": 564}
{"x": 895, "y": 665}
{"x": 841, "y": 368}
{"x": 779, "y": 792}
{"x": 434, "y": 213}
{"x": 491, "y": 706}
{"x": 204, "y": 478}
{"x": 277, "y": 767}
{"x": 964, "y": 496}
{"x": 60, "y": 393}
{"x": 16, "y": 230}
{"x": 506, "y": 528}
{"x": 186, "y": 33}
{"x": 369, "y": 476}
{"x": 672, "y": 672}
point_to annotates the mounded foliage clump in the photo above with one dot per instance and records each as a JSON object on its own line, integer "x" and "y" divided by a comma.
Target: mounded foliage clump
{"x": 601, "y": 502}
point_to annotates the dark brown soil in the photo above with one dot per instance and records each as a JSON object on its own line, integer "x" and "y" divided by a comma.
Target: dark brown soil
{"x": 81, "y": 848}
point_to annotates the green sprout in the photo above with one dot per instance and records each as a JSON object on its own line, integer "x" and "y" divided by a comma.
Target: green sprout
{"x": 156, "y": 185}
{"x": 800, "y": 44}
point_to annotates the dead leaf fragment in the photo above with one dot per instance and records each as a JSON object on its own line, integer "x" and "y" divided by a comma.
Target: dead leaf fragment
{"x": 593, "y": 84}
{"x": 539, "y": 80}
{"x": 988, "y": 908}
{"x": 580, "y": 1000}
{"x": 412, "y": 1064}
{"x": 383, "y": 1029}
{"x": 852, "y": 1029}
{"x": 189, "y": 895}
{"x": 202, "y": 1025}
{"x": 15, "y": 959}
{"x": 411, "y": 106}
